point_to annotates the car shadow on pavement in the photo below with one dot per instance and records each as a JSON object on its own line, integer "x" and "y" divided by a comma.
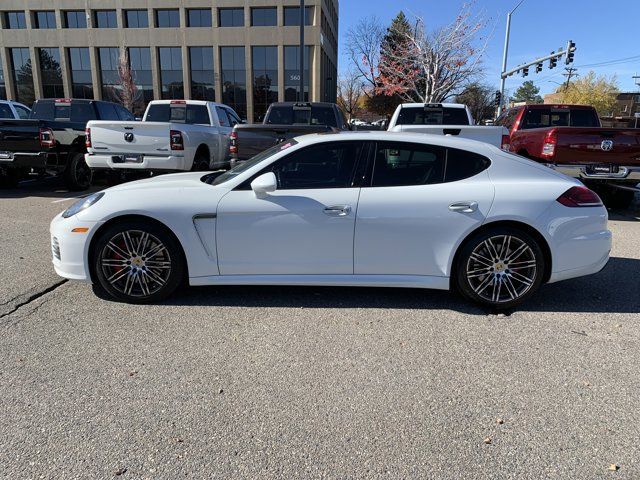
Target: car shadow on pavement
{"x": 615, "y": 289}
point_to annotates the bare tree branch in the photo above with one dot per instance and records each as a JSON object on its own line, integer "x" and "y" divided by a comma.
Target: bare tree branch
{"x": 350, "y": 92}
{"x": 363, "y": 49}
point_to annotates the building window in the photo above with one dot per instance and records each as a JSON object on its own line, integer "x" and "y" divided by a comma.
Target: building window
{"x": 199, "y": 17}
{"x": 292, "y": 73}
{"x": 168, "y": 18}
{"x": 265, "y": 79}
{"x": 136, "y": 18}
{"x": 636, "y": 99}
{"x": 140, "y": 61}
{"x": 22, "y": 75}
{"x": 75, "y": 19}
{"x": 109, "y": 59}
{"x": 231, "y": 17}
{"x": 44, "y": 20}
{"x": 14, "y": 20}
{"x": 171, "y": 72}
{"x": 3, "y": 85}
{"x": 234, "y": 79}
{"x": 202, "y": 76}
{"x": 264, "y": 17}
{"x": 81, "y": 82}
{"x": 292, "y": 16}
{"x": 51, "y": 72}
{"x": 105, "y": 19}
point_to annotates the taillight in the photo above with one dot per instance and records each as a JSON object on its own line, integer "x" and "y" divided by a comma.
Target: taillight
{"x": 233, "y": 143}
{"x": 506, "y": 143}
{"x": 46, "y": 138}
{"x": 87, "y": 137}
{"x": 580, "y": 197}
{"x": 549, "y": 145}
{"x": 175, "y": 140}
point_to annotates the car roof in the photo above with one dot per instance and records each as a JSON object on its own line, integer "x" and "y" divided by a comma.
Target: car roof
{"x": 421, "y": 105}
{"x": 313, "y": 104}
{"x": 376, "y": 135}
{"x": 187, "y": 102}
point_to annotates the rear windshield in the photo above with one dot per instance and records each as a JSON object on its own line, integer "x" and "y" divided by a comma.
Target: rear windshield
{"x": 289, "y": 115}
{"x": 178, "y": 113}
{"x": 559, "y": 117}
{"x": 80, "y": 112}
{"x": 432, "y": 116}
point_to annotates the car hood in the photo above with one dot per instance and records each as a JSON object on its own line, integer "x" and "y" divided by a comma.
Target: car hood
{"x": 174, "y": 180}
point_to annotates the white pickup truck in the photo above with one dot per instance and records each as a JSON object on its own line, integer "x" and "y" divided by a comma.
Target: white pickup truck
{"x": 445, "y": 119}
{"x": 174, "y": 135}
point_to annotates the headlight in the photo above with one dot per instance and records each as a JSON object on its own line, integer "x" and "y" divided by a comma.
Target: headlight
{"x": 82, "y": 204}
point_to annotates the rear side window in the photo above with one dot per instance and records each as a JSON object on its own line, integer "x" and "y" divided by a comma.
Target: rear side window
{"x": 222, "y": 117}
{"x": 81, "y": 112}
{"x": 402, "y": 164}
{"x": 43, "y": 111}
{"x": 5, "y": 111}
{"x": 22, "y": 112}
{"x": 197, "y": 114}
{"x": 432, "y": 116}
{"x": 124, "y": 114}
{"x": 462, "y": 164}
{"x": 233, "y": 117}
{"x": 107, "y": 111}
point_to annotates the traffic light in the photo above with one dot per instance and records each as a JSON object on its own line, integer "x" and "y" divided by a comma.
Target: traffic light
{"x": 498, "y": 99}
{"x": 553, "y": 61}
{"x": 571, "y": 47}
{"x": 525, "y": 71}
{"x": 539, "y": 68}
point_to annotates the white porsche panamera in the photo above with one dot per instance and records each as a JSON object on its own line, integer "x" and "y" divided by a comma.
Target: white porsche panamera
{"x": 361, "y": 209}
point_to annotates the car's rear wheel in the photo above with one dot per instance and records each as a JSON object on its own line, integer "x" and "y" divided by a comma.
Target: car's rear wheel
{"x": 78, "y": 175}
{"x": 500, "y": 267}
{"x": 200, "y": 162}
{"x": 137, "y": 262}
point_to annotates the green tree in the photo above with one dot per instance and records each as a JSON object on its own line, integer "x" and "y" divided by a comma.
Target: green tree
{"x": 598, "y": 91}
{"x": 527, "y": 92}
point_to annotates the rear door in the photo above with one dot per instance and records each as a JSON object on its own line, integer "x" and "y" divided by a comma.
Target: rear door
{"x": 421, "y": 200}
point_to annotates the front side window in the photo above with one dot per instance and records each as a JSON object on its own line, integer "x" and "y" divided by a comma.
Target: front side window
{"x": 264, "y": 17}
{"x": 168, "y": 18}
{"x": 327, "y": 165}
{"x": 105, "y": 19}
{"x": 403, "y": 164}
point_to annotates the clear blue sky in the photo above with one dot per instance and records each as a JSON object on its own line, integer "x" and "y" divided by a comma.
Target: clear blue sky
{"x": 602, "y": 30}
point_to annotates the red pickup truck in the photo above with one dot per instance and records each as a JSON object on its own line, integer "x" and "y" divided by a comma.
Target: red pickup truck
{"x": 570, "y": 139}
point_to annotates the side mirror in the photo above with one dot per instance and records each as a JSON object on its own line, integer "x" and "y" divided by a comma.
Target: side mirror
{"x": 265, "y": 183}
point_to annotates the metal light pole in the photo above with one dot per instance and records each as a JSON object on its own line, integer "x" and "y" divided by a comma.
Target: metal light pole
{"x": 504, "y": 55}
{"x": 302, "y": 22}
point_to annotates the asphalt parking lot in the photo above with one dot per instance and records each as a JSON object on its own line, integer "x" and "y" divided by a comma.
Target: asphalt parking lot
{"x": 237, "y": 382}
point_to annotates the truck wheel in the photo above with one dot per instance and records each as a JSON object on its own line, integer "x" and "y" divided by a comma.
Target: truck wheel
{"x": 77, "y": 175}
{"x": 9, "y": 178}
{"x": 200, "y": 163}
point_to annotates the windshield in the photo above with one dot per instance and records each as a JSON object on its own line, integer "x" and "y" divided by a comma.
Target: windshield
{"x": 432, "y": 116}
{"x": 244, "y": 166}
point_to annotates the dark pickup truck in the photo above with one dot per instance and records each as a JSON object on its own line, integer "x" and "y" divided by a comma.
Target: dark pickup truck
{"x": 285, "y": 120}
{"x": 570, "y": 139}
{"x": 52, "y": 140}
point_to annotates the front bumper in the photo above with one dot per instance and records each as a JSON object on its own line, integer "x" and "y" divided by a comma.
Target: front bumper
{"x": 70, "y": 250}
{"x": 149, "y": 162}
{"x": 624, "y": 173}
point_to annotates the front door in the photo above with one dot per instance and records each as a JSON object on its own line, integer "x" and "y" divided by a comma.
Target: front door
{"x": 304, "y": 227}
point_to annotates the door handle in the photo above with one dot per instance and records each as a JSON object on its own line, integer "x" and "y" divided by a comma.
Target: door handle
{"x": 464, "y": 207}
{"x": 338, "y": 210}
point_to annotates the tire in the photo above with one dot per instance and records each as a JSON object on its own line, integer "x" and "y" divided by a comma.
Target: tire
{"x": 200, "y": 162}
{"x": 618, "y": 198}
{"x": 10, "y": 177}
{"x": 77, "y": 175}
{"x": 484, "y": 275}
{"x": 129, "y": 275}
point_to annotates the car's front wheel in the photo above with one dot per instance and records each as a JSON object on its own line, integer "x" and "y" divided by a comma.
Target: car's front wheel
{"x": 137, "y": 262}
{"x": 500, "y": 267}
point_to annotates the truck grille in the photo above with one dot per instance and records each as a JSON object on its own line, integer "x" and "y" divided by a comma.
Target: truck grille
{"x": 55, "y": 248}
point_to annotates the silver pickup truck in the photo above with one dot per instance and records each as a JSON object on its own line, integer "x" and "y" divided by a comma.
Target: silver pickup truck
{"x": 445, "y": 119}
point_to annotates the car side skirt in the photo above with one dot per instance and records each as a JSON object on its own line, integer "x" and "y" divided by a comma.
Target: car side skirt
{"x": 398, "y": 281}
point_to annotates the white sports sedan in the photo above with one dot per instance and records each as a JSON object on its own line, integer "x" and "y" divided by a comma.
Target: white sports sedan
{"x": 366, "y": 209}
